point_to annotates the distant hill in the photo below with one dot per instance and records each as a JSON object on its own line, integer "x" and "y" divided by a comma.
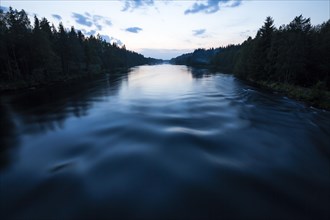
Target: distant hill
{"x": 200, "y": 57}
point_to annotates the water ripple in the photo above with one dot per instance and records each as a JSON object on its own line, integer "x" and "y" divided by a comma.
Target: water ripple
{"x": 162, "y": 142}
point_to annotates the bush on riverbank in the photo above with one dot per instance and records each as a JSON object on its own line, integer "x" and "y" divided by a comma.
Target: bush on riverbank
{"x": 316, "y": 96}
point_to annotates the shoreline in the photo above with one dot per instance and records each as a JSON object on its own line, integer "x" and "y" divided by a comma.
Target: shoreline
{"x": 7, "y": 87}
{"x": 314, "y": 96}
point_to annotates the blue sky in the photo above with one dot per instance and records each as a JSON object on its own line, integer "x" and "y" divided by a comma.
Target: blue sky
{"x": 168, "y": 28}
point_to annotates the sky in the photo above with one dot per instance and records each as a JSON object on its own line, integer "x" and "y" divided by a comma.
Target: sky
{"x": 167, "y": 28}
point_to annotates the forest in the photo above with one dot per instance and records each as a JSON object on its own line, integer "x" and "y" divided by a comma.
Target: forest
{"x": 290, "y": 59}
{"x": 39, "y": 53}
{"x": 294, "y": 58}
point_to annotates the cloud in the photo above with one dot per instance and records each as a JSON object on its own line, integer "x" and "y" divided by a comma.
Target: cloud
{"x": 107, "y": 22}
{"x": 134, "y": 4}
{"x": 199, "y": 32}
{"x": 4, "y": 9}
{"x": 133, "y": 29}
{"x": 82, "y": 19}
{"x": 58, "y": 17}
{"x": 89, "y": 20}
{"x": 212, "y": 6}
{"x": 112, "y": 40}
{"x": 106, "y": 38}
{"x": 91, "y": 32}
{"x": 98, "y": 26}
{"x": 98, "y": 20}
{"x": 236, "y": 3}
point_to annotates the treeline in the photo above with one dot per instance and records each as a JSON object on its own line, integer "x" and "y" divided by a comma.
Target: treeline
{"x": 296, "y": 54}
{"x": 199, "y": 57}
{"x": 43, "y": 52}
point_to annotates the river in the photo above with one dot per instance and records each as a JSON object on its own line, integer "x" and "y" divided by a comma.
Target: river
{"x": 162, "y": 142}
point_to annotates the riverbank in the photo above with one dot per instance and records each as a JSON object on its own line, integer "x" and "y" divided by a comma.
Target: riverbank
{"x": 33, "y": 84}
{"x": 315, "y": 96}
{"x": 40, "y": 83}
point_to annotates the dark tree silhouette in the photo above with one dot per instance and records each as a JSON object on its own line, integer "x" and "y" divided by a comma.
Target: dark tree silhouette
{"x": 297, "y": 54}
{"x": 41, "y": 53}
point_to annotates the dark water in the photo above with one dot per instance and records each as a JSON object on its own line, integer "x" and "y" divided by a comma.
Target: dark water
{"x": 162, "y": 142}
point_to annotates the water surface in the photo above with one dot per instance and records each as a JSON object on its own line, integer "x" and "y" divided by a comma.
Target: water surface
{"x": 162, "y": 142}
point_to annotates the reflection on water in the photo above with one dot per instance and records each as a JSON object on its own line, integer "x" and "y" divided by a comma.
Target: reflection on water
{"x": 162, "y": 142}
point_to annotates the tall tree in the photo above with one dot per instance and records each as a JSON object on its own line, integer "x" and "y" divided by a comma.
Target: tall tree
{"x": 62, "y": 45}
{"x": 75, "y": 50}
{"x": 260, "y": 62}
{"x": 18, "y": 34}
{"x": 294, "y": 51}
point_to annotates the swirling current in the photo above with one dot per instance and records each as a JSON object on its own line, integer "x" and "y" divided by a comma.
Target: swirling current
{"x": 162, "y": 142}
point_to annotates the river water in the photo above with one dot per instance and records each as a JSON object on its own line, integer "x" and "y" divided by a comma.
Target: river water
{"x": 162, "y": 142}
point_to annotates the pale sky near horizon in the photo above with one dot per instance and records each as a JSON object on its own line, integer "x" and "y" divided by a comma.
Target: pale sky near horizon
{"x": 168, "y": 28}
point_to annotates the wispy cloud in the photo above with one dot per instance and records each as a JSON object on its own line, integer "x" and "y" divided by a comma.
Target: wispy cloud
{"x": 211, "y": 6}
{"x": 91, "y": 32}
{"x": 96, "y": 18}
{"x": 99, "y": 20}
{"x": 133, "y": 29}
{"x": 58, "y": 17}
{"x": 96, "y": 21}
{"x": 112, "y": 40}
{"x": 107, "y": 22}
{"x": 236, "y": 3}
{"x": 134, "y": 4}
{"x": 106, "y": 38}
{"x": 4, "y": 9}
{"x": 89, "y": 20}
{"x": 82, "y": 19}
{"x": 199, "y": 32}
